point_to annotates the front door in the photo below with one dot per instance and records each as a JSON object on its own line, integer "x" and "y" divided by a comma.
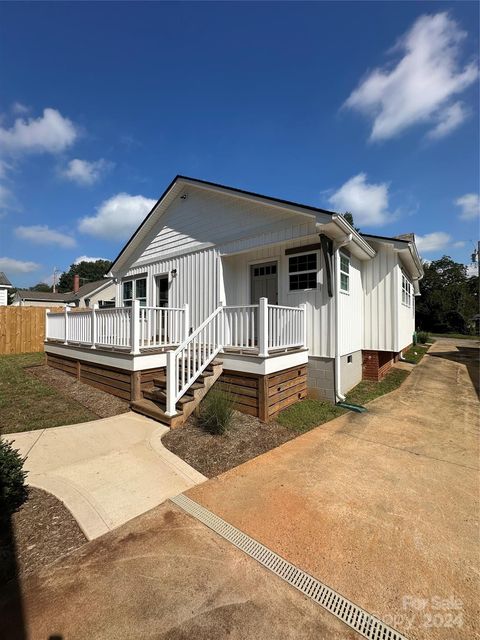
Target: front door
{"x": 161, "y": 283}
{"x": 264, "y": 282}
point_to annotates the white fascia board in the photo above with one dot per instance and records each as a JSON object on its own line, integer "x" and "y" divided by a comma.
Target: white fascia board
{"x": 338, "y": 227}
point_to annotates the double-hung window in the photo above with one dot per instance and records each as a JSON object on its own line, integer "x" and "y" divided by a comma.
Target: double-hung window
{"x": 344, "y": 273}
{"x": 406, "y": 291}
{"x": 135, "y": 290}
{"x": 302, "y": 271}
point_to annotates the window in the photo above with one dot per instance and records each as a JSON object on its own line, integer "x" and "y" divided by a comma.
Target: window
{"x": 135, "y": 290}
{"x": 406, "y": 291}
{"x": 344, "y": 273}
{"x": 302, "y": 271}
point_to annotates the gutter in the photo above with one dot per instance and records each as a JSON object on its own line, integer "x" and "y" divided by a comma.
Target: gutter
{"x": 339, "y": 397}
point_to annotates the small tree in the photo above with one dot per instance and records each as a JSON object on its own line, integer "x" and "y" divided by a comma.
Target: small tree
{"x": 349, "y": 218}
{"x": 13, "y": 491}
{"x": 88, "y": 272}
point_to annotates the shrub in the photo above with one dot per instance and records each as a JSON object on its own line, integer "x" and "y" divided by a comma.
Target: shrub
{"x": 423, "y": 337}
{"x": 13, "y": 491}
{"x": 216, "y": 411}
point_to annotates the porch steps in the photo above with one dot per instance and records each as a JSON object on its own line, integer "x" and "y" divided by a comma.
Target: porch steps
{"x": 153, "y": 403}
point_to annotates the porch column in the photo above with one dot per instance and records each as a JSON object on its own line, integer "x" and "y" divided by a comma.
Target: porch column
{"x": 303, "y": 320}
{"x": 67, "y": 311}
{"x": 263, "y": 328}
{"x": 135, "y": 327}
{"x": 47, "y": 311}
{"x": 186, "y": 317}
{"x": 93, "y": 330}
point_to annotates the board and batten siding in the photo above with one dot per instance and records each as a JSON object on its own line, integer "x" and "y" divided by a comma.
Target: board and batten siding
{"x": 380, "y": 284}
{"x": 195, "y": 283}
{"x": 3, "y": 298}
{"x": 319, "y": 307}
{"x": 351, "y": 311}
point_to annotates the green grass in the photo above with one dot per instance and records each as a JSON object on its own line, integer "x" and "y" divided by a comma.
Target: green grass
{"x": 415, "y": 353}
{"x": 307, "y": 414}
{"x": 367, "y": 391}
{"x": 26, "y": 403}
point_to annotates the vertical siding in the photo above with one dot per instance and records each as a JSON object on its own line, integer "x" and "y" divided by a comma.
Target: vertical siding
{"x": 3, "y": 297}
{"x": 351, "y": 311}
{"x": 380, "y": 301}
{"x": 195, "y": 282}
{"x": 406, "y": 316}
{"x": 319, "y": 307}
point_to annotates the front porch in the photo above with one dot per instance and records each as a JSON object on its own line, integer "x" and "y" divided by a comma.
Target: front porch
{"x": 154, "y": 358}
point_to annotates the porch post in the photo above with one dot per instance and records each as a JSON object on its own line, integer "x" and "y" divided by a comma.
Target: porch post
{"x": 135, "y": 327}
{"x": 186, "y": 317}
{"x": 303, "y": 320}
{"x": 47, "y": 311}
{"x": 67, "y": 311}
{"x": 170, "y": 409}
{"x": 263, "y": 328}
{"x": 93, "y": 330}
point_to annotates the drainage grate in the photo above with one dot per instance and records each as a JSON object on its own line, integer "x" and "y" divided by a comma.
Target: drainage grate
{"x": 350, "y": 613}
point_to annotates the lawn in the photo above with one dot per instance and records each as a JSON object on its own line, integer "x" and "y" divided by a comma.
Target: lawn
{"x": 366, "y": 390}
{"x": 307, "y": 414}
{"x": 456, "y": 336}
{"x": 26, "y": 403}
{"x": 416, "y": 353}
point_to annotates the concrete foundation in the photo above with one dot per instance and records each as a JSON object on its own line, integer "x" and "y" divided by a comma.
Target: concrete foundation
{"x": 320, "y": 378}
{"x": 350, "y": 370}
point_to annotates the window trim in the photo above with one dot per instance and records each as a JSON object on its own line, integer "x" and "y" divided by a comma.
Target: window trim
{"x": 345, "y": 273}
{"x": 133, "y": 280}
{"x": 297, "y": 273}
{"x": 407, "y": 293}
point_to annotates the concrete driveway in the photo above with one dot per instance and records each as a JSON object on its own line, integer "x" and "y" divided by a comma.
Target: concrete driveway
{"x": 382, "y": 506}
{"x": 107, "y": 471}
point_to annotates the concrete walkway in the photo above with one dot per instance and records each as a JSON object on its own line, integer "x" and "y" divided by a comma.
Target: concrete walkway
{"x": 382, "y": 506}
{"x": 107, "y": 471}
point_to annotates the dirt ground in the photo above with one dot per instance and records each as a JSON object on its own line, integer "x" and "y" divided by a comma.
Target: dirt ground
{"x": 381, "y": 506}
{"x": 43, "y": 530}
{"x": 100, "y": 403}
{"x": 214, "y": 454}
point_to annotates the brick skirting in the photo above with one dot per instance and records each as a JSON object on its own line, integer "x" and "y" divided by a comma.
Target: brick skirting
{"x": 376, "y": 364}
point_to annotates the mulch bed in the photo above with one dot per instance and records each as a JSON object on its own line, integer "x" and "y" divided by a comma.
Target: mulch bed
{"x": 43, "y": 529}
{"x": 246, "y": 438}
{"x": 99, "y": 402}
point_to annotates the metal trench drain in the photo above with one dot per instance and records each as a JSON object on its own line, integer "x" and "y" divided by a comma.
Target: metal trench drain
{"x": 351, "y": 614}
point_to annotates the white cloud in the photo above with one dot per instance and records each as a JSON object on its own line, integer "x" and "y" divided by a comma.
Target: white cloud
{"x": 87, "y": 259}
{"x": 448, "y": 119}
{"x": 42, "y": 234}
{"x": 472, "y": 269}
{"x": 50, "y": 133}
{"x": 117, "y": 217}
{"x": 7, "y": 200}
{"x": 10, "y": 265}
{"x": 367, "y": 202}
{"x": 84, "y": 172}
{"x": 420, "y": 88}
{"x": 459, "y": 244}
{"x": 469, "y": 205}
{"x": 19, "y": 108}
{"x": 432, "y": 241}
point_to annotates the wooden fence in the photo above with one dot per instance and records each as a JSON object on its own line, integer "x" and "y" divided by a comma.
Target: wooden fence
{"x": 22, "y": 329}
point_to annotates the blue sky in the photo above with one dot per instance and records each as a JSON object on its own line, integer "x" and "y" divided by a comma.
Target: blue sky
{"x": 371, "y": 107}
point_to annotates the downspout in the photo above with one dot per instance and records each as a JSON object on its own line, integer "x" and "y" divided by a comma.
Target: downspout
{"x": 339, "y": 397}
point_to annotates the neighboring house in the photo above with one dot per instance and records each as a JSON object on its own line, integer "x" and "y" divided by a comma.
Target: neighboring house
{"x": 5, "y": 286}
{"x": 101, "y": 292}
{"x": 288, "y": 297}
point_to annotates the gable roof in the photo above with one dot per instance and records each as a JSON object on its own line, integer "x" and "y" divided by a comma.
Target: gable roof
{"x": 69, "y": 296}
{"x": 406, "y": 246}
{"x": 180, "y": 181}
{"x": 4, "y": 281}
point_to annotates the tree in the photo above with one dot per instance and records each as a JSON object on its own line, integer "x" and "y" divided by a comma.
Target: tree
{"x": 88, "y": 272}
{"x": 449, "y": 298}
{"x": 41, "y": 286}
{"x": 349, "y": 218}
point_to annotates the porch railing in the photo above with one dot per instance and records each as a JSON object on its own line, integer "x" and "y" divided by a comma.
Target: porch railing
{"x": 127, "y": 328}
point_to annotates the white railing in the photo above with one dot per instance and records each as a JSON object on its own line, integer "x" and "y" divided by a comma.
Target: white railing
{"x": 240, "y": 326}
{"x": 132, "y": 328}
{"x": 286, "y": 327}
{"x": 163, "y": 326}
{"x": 187, "y": 362}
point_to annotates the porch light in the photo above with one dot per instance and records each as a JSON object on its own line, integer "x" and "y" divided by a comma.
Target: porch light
{"x": 174, "y": 273}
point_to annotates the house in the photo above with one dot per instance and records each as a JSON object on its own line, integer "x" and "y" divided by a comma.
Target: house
{"x": 101, "y": 292}
{"x": 270, "y": 298}
{"x": 5, "y": 286}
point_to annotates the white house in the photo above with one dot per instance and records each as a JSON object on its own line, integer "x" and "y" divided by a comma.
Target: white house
{"x": 283, "y": 297}
{"x": 5, "y": 286}
{"x": 100, "y": 292}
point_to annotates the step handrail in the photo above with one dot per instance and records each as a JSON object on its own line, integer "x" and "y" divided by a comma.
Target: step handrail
{"x": 192, "y": 357}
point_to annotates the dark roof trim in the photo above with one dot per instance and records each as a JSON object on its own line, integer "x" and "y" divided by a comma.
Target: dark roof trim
{"x": 371, "y": 235}
{"x": 218, "y": 186}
